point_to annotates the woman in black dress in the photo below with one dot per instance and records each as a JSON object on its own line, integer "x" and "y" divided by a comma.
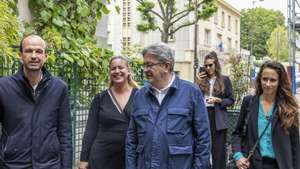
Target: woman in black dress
{"x": 104, "y": 137}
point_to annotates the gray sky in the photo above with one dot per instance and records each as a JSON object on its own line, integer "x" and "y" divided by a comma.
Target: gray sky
{"x": 280, "y": 5}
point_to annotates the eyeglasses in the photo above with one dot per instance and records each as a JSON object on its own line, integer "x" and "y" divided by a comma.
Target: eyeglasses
{"x": 150, "y": 65}
{"x": 208, "y": 65}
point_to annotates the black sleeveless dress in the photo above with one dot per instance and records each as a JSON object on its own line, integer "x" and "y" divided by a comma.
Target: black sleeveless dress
{"x": 104, "y": 139}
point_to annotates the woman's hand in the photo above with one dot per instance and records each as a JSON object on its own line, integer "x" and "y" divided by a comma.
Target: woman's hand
{"x": 83, "y": 165}
{"x": 242, "y": 163}
{"x": 201, "y": 76}
{"x": 213, "y": 100}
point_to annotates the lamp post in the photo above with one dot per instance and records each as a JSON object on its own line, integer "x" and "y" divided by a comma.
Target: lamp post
{"x": 292, "y": 39}
{"x": 195, "y": 41}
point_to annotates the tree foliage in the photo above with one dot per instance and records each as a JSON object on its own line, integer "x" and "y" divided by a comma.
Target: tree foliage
{"x": 257, "y": 25}
{"x": 9, "y": 28}
{"x": 69, "y": 28}
{"x": 277, "y": 44}
{"x": 239, "y": 78}
{"x": 163, "y": 15}
{"x": 135, "y": 61}
{"x": 136, "y": 64}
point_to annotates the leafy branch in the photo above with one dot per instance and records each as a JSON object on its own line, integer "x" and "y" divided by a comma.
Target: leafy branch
{"x": 171, "y": 18}
{"x": 69, "y": 28}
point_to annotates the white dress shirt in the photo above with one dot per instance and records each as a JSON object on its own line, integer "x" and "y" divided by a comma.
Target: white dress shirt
{"x": 161, "y": 93}
{"x": 211, "y": 89}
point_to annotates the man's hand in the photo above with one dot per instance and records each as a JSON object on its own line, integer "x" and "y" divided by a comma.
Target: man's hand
{"x": 83, "y": 165}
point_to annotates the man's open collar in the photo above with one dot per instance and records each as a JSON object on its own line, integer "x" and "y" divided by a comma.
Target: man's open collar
{"x": 173, "y": 86}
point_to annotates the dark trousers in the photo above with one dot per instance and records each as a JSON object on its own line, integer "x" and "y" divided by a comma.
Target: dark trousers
{"x": 218, "y": 139}
{"x": 269, "y": 163}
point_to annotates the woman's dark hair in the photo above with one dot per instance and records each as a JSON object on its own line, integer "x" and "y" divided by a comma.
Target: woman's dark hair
{"x": 219, "y": 84}
{"x": 286, "y": 103}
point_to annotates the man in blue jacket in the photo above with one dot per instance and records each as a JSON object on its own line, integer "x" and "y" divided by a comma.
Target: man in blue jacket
{"x": 35, "y": 114}
{"x": 169, "y": 126}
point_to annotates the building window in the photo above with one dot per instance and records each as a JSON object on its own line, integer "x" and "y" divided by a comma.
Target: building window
{"x": 236, "y": 45}
{"x": 219, "y": 43}
{"x": 229, "y": 45}
{"x": 219, "y": 38}
{"x": 236, "y": 26}
{"x": 128, "y": 18}
{"x": 207, "y": 37}
{"x": 223, "y": 19}
{"x": 229, "y": 22}
{"x": 126, "y": 14}
{"x": 202, "y": 53}
{"x": 216, "y": 18}
{"x": 126, "y": 42}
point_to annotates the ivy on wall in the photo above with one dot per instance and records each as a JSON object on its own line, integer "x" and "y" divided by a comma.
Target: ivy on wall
{"x": 136, "y": 65}
{"x": 9, "y": 29}
{"x": 69, "y": 28}
{"x": 136, "y": 61}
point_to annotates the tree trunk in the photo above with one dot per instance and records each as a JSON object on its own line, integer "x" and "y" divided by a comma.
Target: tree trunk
{"x": 164, "y": 34}
{"x": 164, "y": 37}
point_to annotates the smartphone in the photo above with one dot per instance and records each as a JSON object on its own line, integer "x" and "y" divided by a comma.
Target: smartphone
{"x": 202, "y": 69}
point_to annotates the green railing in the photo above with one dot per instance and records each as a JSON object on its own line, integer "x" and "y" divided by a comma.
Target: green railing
{"x": 81, "y": 91}
{"x": 233, "y": 115}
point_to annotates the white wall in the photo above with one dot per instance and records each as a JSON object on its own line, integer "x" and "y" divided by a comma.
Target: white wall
{"x": 24, "y": 12}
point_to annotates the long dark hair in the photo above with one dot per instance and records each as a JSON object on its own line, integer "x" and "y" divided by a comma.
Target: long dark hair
{"x": 285, "y": 101}
{"x": 219, "y": 83}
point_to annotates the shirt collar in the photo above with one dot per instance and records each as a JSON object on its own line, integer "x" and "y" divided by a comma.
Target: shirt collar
{"x": 165, "y": 88}
{"x": 213, "y": 79}
{"x": 35, "y": 86}
{"x": 172, "y": 85}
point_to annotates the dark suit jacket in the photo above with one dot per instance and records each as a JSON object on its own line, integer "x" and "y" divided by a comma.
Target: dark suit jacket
{"x": 221, "y": 114}
{"x": 286, "y": 146}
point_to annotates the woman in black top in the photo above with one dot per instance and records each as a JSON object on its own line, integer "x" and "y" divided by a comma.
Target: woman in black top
{"x": 270, "y": 120}
{"x": 104, "y": 138}
{"x": 218, "y": 95}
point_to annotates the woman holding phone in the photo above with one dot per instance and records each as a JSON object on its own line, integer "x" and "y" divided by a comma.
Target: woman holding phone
{"x": 218, "y": 96}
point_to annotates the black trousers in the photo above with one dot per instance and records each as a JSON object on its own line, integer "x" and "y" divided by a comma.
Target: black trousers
{"x": 269, "y": 163}
{"x": 218, "y": 139}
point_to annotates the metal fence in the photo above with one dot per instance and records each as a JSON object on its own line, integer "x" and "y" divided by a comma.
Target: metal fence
{"x": 82, "y": 89}
{"x": 233, "y": 115}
